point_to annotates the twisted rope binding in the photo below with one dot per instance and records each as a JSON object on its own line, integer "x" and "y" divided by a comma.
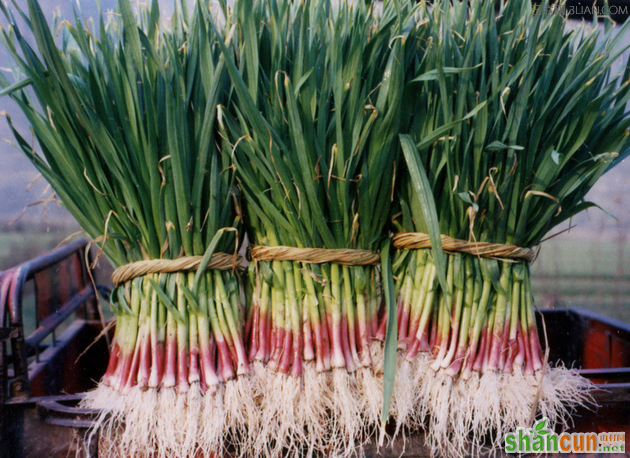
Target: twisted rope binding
{"x": 418, "y": 240}
{"x": 343, "y": 256}
{"x": 219, "y": 261}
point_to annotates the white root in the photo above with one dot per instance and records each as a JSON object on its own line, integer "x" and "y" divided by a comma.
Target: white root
{"x": 138, "y": 436}
{"x": 471, "y": 417}
{"x": 440, "y": 405}
{"x": 371, "y": 392}
{"x": 348, "y": 429}
{"x": 404, "y": 399}
{"x": 212, "y": 424}
{"x": 563, "y": 390}
{"x": 319, "y": 413}
{"x": 422, "y": 379}
{"x": 278, "y": 414}
{"x": 107, "y": 425}
{"x": 486, "y": 415}
{"x": 191, "y": 424}
{"x": 164, "y": 423}
{"x": 313, "y": 410}
{"x": 167, "y": 422}
{"x": 241, "y": 414}
{"x": 269, "y": 414}
{"x": 463, "y": 394}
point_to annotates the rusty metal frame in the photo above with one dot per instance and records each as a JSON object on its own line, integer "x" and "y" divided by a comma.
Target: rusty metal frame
{"x": 15, "y": 386}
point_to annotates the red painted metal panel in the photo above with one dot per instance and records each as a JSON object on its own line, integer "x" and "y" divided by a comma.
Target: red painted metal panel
{"x": 57, "y": 284}
{"x": 596, "y": 348}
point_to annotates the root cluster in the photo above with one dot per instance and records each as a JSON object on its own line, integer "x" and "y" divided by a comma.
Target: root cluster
{"x": 303, "y": 374}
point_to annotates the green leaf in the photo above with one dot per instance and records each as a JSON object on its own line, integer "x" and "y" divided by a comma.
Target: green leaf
{"x": 556, "y": 157}
{"x": 391, "y": 335}
{"x": 207, "y": 256}
{"x": 433, "y": 75}
{"x": 193, "y": 304}
{"x": 266, "y": 272}
{"x": 498, "y": 146}
{"x": 422, "y": 190}
{"x": 122, "y": 302}
{"x": 9, "y": 90}
{"x": 167, "y": 302}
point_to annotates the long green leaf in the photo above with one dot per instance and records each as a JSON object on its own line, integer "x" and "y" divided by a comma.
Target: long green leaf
{"x": 422, "y": 190}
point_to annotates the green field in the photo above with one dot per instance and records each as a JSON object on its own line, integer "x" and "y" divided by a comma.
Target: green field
{"x": 20, "y": 246}
{"x": 580, "y": 258}
{"x": 593, "y": 274}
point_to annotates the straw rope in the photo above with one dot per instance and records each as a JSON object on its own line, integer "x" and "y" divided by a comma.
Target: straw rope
{"x": 417, "y": 240}
{"x": 343, "y": 256}
{"x": 219, "y": 261}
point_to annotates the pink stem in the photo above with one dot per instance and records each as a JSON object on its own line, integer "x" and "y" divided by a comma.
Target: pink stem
{"x": 319, "y": 347}
{"x": 122, "y": 371}
{"x": 144, "y": 370}
{"x": 280, "y": 345}
{"x": 326, "y": 345}
{"x": 382, "y": 329}
{"x": 251, "y": 320}
{"x": 512, "y": 347}
{"x": 182, "y": 370}
{"x": 262, "y": 353}
{"x": 215, "y": 351}
{"x": 366, "y": 357}
{"x": 478, "y": 364}
{"x": 536, "y": 351}
{"x": 414, "y": 324}
{"x": 227, "y": 371}
{"x": 241, "y": 353}
{"x": 434, "y": 337}
{"x": 374, "y": 322}
{"x": 309, "y": 351}
{"x": 529, "y": 369}
{"x": 114, "y": 357}
{"x": 346, "y": 345}
{"x": 457, "y": 361}
{"x": 296, "y": 367}
{"x": 520, "y": 355}
{"x": 452, "y": 347}
{"x": 424, "y": 342}
{"x": 413, "y": 349}
{"x": 352, "y": 339}
{"x": 194, "y": 372}
{"x": 254, "y": 335}
{"x": 131, "y": 378}
{"x": 403, "y": 320}
{"x": 504, "y": 346}
{"x": 499, "y": 340}
{"x": 285, "y": 354}
{"x": 274, "y": 339}
{"x": 209, "y": 376}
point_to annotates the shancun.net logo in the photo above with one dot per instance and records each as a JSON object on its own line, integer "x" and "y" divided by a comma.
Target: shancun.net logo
{"x": 540, "y": 439}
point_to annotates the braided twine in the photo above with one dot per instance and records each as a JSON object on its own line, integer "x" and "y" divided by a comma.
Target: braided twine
{"x": 343, "y": 256}
{"x": 219, "y": 261}
{"x": 418, "y": 240}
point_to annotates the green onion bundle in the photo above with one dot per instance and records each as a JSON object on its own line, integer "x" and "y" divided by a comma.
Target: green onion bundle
{"x": 514, "y": 117}
{"x": 124, "y": 115}
{"x": 313, "y": 136}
